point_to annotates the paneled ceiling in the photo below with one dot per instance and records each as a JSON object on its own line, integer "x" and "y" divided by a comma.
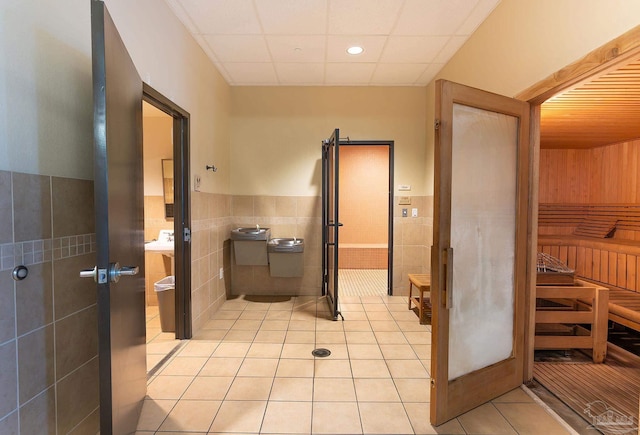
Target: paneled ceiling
{"x": 304, "y": 42}
{"x": 603, "y": 111}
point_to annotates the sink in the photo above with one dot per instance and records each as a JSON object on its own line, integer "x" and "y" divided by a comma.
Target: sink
{"x": 286, "y": 244}
{"x": 163, "y": 245}
{"x": 251, "y": 233}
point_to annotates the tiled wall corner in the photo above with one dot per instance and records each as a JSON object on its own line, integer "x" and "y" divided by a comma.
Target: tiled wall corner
{"x": 48, "y": 330}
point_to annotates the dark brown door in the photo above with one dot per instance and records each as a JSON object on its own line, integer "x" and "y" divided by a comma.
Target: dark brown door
{"x": 330, "y": 224}
{"x": 117, "y": 93}
{"x": 479, "y": 257}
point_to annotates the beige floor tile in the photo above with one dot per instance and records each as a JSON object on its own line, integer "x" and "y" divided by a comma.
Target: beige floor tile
{"x": 376, "y": 390}
{"x": 250, "y": 389}
{"x": 530, "y": 419}
{"x": 334, "y": 390}
{"x": 326, "y": 368}
{"x": 246, "y": 325}
{"x": 413, "y": 390}
{"x": 486, "y": 419}
{"x": 258, "y": 367}
{"x": 329, "y": 325}
{"x": 274, "y": 325}
{"x": 185, "y": 366}
{"x": 364, "y": 351}
{"x": 249, "y": 314}
{"x": 398, "y": 351}
{"x": 264, "y": 350}
{"x": 417, "y": 337}
{"x": 208, "y": 388}
{"x": 303, "y": 316}
{"x": 199, "y": 348}
{"x": 338, "y": 350}
{"x": 191, "y": 415}
{"x": 219, "y": 324}
{"x": 384, "y": 319}
{"x": 237, "y": 350}
{"x": 360, "y": 337}
{"x": 210, "y": 334}
{"x": 161, "y": 347}
{"x": 221, "y": 367}
{"x": 240, "y": 335}
{"x": 295, "y": 368}
{"x": 259, "y": 306}
{"x": 153, "y": 413}
{"x": 278, "y": 315}
{"x": 413, "y": 326}
{"x": 300, "y": 337}
{"x": 349, "y": 308}
{"x": 350, "y": 299}
{"x": 234, "y": 305}
{"x": 514, "y": 396}
{"x": 302, "y": 325}
{"x": 336, "y": 418}
{"x": 168, "y": 387}
{"x": 153, "y": 360}
{"x": 270, "y": 336}
{"x": 355, "y": 315}
{"x": 357, "y": 325}
{"x": 292, "y": 389}
{"x": 287, "y": 418}
{"x": 384, "y": 418}
{"x": 419, "y": 416}
{"x": 330, "y": 337}
{"x": 243, "y": 416}
{"x": 369, "y": 369}
{"x": 423, "y": 351}
{"x": 297, "y": 351}
{"x": 282, "y": 306}
{"x": 404, "y": 368}
{"x": 405, "y": 316}
{"x": 390, "y": 337}
{"x": 375, "y": 306}
{"x": 226, "y": 315}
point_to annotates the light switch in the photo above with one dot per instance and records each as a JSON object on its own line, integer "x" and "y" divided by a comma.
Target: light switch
{"x": 196, "y": 182}
{"x": 414, "y": 212}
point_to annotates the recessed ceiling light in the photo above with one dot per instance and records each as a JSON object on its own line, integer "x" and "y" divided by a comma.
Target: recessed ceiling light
{"x": 355, "y": 50}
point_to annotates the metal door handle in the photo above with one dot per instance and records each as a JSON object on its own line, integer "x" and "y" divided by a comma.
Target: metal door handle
{"x": 114, "y": 274}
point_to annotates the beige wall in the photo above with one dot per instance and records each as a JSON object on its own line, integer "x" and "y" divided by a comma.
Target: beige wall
{"x": 523, "y": 42}
{"x": 276, "y": 134}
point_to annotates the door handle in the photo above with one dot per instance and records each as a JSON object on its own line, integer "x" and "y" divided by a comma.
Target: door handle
{"x": 114, "y": 273}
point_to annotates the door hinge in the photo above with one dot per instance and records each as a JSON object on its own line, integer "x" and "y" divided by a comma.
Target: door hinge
{"x": 436, "y": 124}
{"x": 187, "y": 235}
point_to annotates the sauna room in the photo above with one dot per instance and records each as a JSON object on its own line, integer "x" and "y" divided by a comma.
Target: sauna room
{"x": 589, "y": 221}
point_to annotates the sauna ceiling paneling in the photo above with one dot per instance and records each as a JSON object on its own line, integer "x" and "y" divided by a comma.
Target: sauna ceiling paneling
{"x": 605, "y": 110}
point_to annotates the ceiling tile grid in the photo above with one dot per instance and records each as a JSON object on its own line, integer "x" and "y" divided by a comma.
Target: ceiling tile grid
{"x": 304, "y": 42}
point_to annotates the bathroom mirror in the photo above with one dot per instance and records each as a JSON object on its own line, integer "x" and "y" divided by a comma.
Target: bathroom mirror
{"x": 167, "y": 184}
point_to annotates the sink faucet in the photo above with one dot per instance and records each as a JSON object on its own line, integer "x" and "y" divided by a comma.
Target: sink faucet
{"x": 258, "y": 227}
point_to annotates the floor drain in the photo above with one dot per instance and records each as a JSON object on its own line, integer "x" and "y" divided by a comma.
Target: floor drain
{"x": 321, "y": 353}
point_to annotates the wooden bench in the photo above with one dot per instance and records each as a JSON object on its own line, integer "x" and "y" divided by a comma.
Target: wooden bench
{"x": 569, "y": 309}
{"x": 422, "y": 300}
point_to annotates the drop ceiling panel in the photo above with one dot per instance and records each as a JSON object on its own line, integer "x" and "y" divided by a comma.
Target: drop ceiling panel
{"x": 297, "y": 48}
{"x": 238, "y": 34}
{"x": 311, "y": 74}
{"x": 363, "y": 17}
{"x": 293, "y": 17}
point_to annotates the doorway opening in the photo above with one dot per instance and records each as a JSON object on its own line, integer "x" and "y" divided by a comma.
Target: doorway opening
{"x": 166, "y": 226}
{"x": 365, "y": 212}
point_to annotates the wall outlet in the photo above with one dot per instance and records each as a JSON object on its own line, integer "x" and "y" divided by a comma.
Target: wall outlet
{"x": 221, "y": 273}
{"x": 197, "y": 181}
{"x": 414, "y": 212}
{"x": 404, "y": 212}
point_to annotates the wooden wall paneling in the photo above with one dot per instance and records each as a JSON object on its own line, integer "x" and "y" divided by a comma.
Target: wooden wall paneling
{"x": 621, "y": 276}
{"x": 604, "y": 266}
{"x": 631, "y": 271}
{"x": 595, "y": 264}
{"x": 563, "y": 255}
{"x": 554, "y": 251}
{"x": 571, "y": 257}
{"x": 580, "y": 261}
{"x": 638, "y": 273}
{"x": 588, "y": 263}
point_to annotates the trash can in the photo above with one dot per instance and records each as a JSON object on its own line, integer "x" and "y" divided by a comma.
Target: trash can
{"x": 166, "y": 292}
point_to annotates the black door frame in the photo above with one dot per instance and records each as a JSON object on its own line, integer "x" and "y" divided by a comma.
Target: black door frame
{"x": 182, "y": 209}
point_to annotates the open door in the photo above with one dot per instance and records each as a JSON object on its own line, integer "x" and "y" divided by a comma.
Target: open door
{"x": 479, "y": 255}
{"x": 330, "y": 224}
{"x": 117, "y": 94}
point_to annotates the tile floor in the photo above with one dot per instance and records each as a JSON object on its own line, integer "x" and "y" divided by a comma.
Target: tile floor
{"x": 250, "y": 371}
{"x": 159, "y": 344}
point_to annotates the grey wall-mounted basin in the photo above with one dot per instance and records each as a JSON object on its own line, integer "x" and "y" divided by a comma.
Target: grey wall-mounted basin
{"x": 251, "y": 233}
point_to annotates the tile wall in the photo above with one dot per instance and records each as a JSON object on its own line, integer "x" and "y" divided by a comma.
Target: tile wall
{"x": 48, "y": 321}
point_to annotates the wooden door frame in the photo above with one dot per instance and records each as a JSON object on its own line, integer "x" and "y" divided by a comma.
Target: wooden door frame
{"x": 182, "y": 207}
{"x": 597, "y": 62}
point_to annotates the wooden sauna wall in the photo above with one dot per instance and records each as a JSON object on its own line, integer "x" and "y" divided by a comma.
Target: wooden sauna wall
{"x": 603, "y": 175}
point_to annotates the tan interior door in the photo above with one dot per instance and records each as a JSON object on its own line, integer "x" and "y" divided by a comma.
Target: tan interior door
{"x": 479, "y": 256}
